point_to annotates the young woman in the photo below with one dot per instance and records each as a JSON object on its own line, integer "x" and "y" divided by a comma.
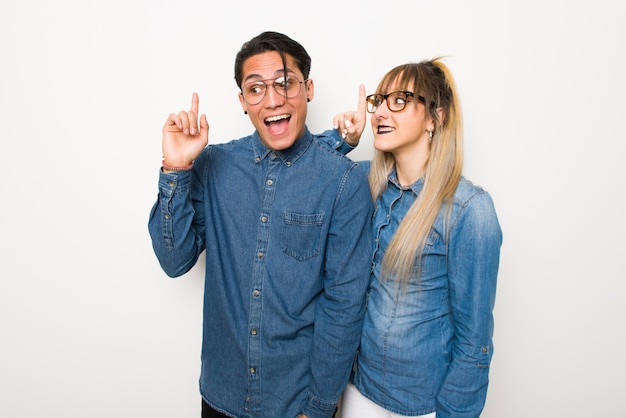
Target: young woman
{"x": 426, "y": 344}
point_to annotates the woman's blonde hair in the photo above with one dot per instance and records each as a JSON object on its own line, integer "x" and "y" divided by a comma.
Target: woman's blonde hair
{"x": 433, "y": 80}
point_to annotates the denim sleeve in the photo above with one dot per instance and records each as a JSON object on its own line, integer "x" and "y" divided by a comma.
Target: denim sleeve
{"x": 340, "y": 310}
{"x": 333, "y": 139}
{"x": 176, "y": 222}
{"x": 473, "y": 259}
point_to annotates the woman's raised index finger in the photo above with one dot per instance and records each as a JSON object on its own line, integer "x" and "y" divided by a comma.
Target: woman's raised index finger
{"x": 362, "y": 103}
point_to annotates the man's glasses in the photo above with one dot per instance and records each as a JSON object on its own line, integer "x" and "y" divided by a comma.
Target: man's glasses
{"x": 396, "y": 101}
{"x": 287, "y": 86}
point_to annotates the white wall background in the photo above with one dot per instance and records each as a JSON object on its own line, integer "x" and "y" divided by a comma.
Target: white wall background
{"x": 91, "y": 327}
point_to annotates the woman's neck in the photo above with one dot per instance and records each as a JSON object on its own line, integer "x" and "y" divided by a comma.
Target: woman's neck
{"x": 410, "y": 167}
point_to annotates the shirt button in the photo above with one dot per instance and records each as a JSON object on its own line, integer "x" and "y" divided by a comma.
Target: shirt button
{"x": 252, "y": 370}
{"x": 171, "y": 184}
{"x": 259, "y": 254}
{"x": 288, "y": 163}
{"x": 270, "y": 182}
{"x": 167, "y": 216}
{"x": 253, "y": 331}
{"x": 263, "y": 219}
{"x": 256, "y": 292}
{"x": 485, "y": 349}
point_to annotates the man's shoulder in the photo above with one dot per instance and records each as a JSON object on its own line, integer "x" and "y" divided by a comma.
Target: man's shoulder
{"x": 325, "y": 150}
{"x": 232, "y": 145}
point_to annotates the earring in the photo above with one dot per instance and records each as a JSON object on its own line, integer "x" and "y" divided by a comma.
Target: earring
{"x": 245, "y": 112}
{"x": 308, "y": 100}
{"x": 430, "y": 137}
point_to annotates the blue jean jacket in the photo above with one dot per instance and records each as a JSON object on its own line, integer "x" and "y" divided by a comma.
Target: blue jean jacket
{"x": 428, "y": 347}
{"x": 288, "y": 247}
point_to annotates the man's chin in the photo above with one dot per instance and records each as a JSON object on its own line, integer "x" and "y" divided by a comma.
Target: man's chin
{"x": 278, "y": 144}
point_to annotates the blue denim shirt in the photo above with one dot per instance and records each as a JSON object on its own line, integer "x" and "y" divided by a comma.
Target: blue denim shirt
{"x": 288, "y": 247}
{"x": 428, "y": 347}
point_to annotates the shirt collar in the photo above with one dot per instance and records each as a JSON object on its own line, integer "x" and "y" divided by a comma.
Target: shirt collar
{"x": 288, "y": 156}
{"x": 415, "y": 187}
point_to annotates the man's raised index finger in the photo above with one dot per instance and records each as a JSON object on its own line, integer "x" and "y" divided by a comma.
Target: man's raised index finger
{"x": 195, "y": 103}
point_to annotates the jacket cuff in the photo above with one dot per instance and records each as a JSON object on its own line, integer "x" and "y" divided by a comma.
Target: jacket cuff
{"x": 317, "y": 408}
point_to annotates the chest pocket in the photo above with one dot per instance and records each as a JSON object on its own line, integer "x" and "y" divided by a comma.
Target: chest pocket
{"x": 434, "y": 243}
{"x": 434, "y": 254}
{"x": 302, "y": 235}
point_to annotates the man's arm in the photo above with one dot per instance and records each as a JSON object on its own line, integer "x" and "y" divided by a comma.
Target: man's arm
{"x": 340, "y": 310}
{"x": 174, "y": 222}
{"x": 175, "y": 225}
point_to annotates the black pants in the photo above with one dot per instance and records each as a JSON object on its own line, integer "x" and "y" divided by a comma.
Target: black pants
{"x": 208, "y": 412}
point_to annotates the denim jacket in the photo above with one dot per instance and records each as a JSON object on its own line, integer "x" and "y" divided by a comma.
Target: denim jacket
{"x": 428, "y": 347}
{"x": 288, "y": 247}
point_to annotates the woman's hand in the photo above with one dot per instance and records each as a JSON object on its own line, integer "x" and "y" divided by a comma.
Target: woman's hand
{"x": 352, "y": 123}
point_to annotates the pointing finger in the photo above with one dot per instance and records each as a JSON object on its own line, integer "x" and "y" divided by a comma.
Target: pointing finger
{"x": 362, "y": 104}
{"x": 195, "y": 103}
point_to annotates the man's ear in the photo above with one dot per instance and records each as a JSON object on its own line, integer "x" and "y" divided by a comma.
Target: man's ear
{"x": 243, "y": 103}
{"x": 310, "y": 90}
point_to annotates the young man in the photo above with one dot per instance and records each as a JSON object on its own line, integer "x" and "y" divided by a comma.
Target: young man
{"x": 284, "y": 223}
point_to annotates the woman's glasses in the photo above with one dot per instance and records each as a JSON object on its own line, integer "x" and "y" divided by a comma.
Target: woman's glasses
{"x": 396, "y": 101}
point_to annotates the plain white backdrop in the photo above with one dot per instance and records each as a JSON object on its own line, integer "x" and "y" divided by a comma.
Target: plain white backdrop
{"x": 89, "y": 324}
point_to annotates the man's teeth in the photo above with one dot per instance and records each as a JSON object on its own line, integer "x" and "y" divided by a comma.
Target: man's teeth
{"x": 276, "y": 118}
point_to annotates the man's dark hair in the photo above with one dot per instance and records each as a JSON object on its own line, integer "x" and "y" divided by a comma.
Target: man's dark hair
{"x": 272, "y": 41}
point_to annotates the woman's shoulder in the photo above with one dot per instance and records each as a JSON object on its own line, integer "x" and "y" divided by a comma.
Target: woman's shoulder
{"x": 468, "y": 192}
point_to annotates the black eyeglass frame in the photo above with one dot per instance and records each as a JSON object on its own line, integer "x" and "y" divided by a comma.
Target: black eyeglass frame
{"x": 385, "y": 97}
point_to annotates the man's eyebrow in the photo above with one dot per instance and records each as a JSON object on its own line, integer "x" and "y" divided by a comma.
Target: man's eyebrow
{"x": 277, "y": 74}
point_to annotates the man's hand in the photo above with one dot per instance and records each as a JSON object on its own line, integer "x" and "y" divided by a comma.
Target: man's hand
{"x": 183, "y": 140}
{"x": 352, "y": 123}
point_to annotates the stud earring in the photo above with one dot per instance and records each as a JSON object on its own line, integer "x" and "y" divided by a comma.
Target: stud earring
{"x": 245, "y": 112}
{"x": 430, "y": 137}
